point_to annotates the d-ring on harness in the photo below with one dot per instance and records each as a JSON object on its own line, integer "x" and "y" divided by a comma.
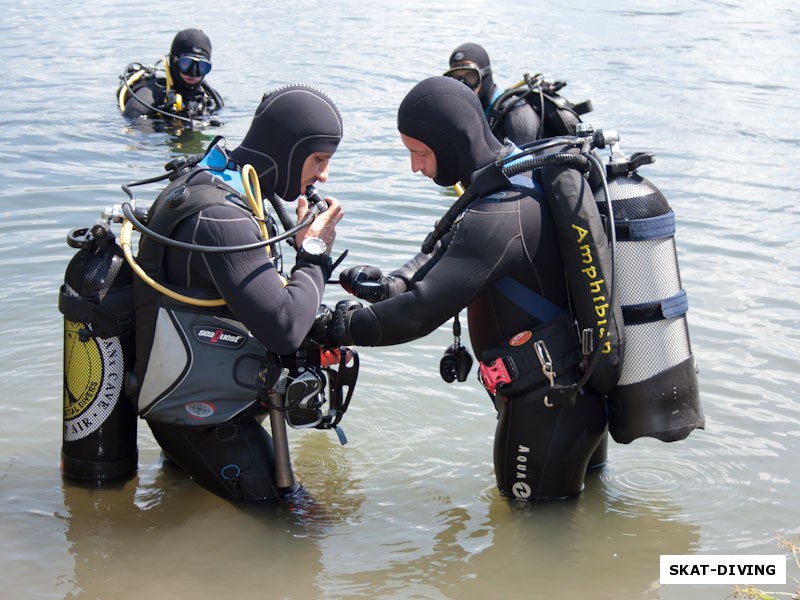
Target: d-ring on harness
{"x": 547, "y": 366}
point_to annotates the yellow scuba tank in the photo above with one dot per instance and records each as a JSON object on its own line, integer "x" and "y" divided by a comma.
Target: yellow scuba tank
{"x": 657, "y": 394}
{"x": 96, "y": 299}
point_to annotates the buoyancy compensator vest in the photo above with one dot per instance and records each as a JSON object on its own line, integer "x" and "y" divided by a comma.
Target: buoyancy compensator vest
{"x": 588, "y": 264}
{"x": 99, "y": 419}
{"x": 560, "y": 166}
{"x": 166, "y": 101}
{"x": 194, "y": 365}
{"x": 657, "y": 394}
{"x": 558, "y": 116}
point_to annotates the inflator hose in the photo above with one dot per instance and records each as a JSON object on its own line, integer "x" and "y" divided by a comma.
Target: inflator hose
{"x": 284, "y": 476}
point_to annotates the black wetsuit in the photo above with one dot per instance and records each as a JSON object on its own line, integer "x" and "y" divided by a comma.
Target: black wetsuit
{"x": 506, "y": 238}
{"x": 505, "y": 235}
{"x": 235, "y": 458}
{"x": 278, "y": 316}
{"x": 150, "y": 91}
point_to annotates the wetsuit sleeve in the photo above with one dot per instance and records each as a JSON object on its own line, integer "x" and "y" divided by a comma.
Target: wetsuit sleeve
{"x": 453, "y": 277}
{"x": 417, "y": 267}
{"x": 278, "y": 316}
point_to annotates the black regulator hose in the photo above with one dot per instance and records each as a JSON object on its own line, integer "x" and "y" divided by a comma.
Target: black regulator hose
{"x": 128, "y": 211}
{"x": 279, "y": 204}
{"x": 495, "y": 177}
{"x": 154, "y": 108}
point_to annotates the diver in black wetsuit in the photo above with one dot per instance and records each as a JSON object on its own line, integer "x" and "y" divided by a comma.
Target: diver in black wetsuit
{"x": 503, "y": 241}
{"x": 291, "y": 139}
{"x": 469, "y": 64}
{"x": 179, "y": 89}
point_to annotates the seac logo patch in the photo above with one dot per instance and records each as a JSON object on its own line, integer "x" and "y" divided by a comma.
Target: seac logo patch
{"x": 215, "y": 336}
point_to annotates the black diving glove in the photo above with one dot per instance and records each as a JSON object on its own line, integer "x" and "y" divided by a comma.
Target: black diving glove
{"x": 319, "y": 330}
{"x": 370, "y": 284}
{"x": 337, "y": 328}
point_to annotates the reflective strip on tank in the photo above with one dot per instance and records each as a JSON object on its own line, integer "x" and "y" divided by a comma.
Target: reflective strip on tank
{"x": 646, "y": 229}
{"x": 668, "y": 308}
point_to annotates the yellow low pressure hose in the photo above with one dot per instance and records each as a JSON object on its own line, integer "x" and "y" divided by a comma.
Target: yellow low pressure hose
{"x": 124, "y": 89}
{"x": 178, "y": 106}
{"x": 125, "y": 243}
{"x": 252, "y": 189}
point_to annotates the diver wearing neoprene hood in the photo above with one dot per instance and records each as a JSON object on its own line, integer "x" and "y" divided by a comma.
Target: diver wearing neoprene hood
{"x": 176, "y": 88}
{"x": 503, "y": 241}
{"x": 207, "y": 420}
{"x": 469, "y": 64}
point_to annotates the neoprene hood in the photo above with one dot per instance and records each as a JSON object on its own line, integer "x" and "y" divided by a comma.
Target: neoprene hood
{"x": 446, "y": 116}
{"x": 289, "y": 125}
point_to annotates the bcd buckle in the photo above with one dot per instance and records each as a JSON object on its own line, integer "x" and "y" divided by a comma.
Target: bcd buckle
{"x": 494, "y": 374}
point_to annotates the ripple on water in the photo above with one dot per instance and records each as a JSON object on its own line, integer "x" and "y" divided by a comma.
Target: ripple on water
{"x": 702, "y": 490}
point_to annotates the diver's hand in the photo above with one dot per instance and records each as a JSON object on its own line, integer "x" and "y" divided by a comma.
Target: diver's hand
{"x": 352, "y": 277}
{"x": 337, "y": 328}
{"x": 370, "y": 284}
{"x": 323, "y": 226}
{"x": 319, "y": 330}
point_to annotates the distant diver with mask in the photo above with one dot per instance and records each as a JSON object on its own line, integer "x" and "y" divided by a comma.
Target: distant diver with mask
{"x": 175, "y": 87}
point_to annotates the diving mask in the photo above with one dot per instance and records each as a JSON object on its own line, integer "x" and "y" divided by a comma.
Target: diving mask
{"x": 468, "y": 73}
{"x": 195, "y": 66}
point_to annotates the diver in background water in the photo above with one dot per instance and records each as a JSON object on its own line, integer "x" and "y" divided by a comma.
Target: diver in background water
{"x": 469, "y": 64}
{"x": 176, "y": 88}
{"x": 503, "y": 241}
{"x": 529, "y": 110}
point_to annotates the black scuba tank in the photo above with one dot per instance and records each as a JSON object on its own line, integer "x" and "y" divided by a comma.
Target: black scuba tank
{"x": 559, "y": 116}
{"x": 657, "y": 394}
{"x": 96, "y": 299}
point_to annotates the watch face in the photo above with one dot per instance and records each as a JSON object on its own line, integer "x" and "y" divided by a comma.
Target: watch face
{"x": 314, "y": 246}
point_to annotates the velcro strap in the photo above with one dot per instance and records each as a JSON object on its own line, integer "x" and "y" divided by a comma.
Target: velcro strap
{"x": 647, "y": 312}
{"x": 113, "y": 316}
{"x": 651, "y": 228}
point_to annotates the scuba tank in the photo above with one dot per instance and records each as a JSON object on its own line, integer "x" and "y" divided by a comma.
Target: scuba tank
{"x": 657, "y": 394}
{"x": 99, "y": 434}
{"x": 558, "y": 116}
{"x": 584, "y": 246}
{"x": 654, "y": 391}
